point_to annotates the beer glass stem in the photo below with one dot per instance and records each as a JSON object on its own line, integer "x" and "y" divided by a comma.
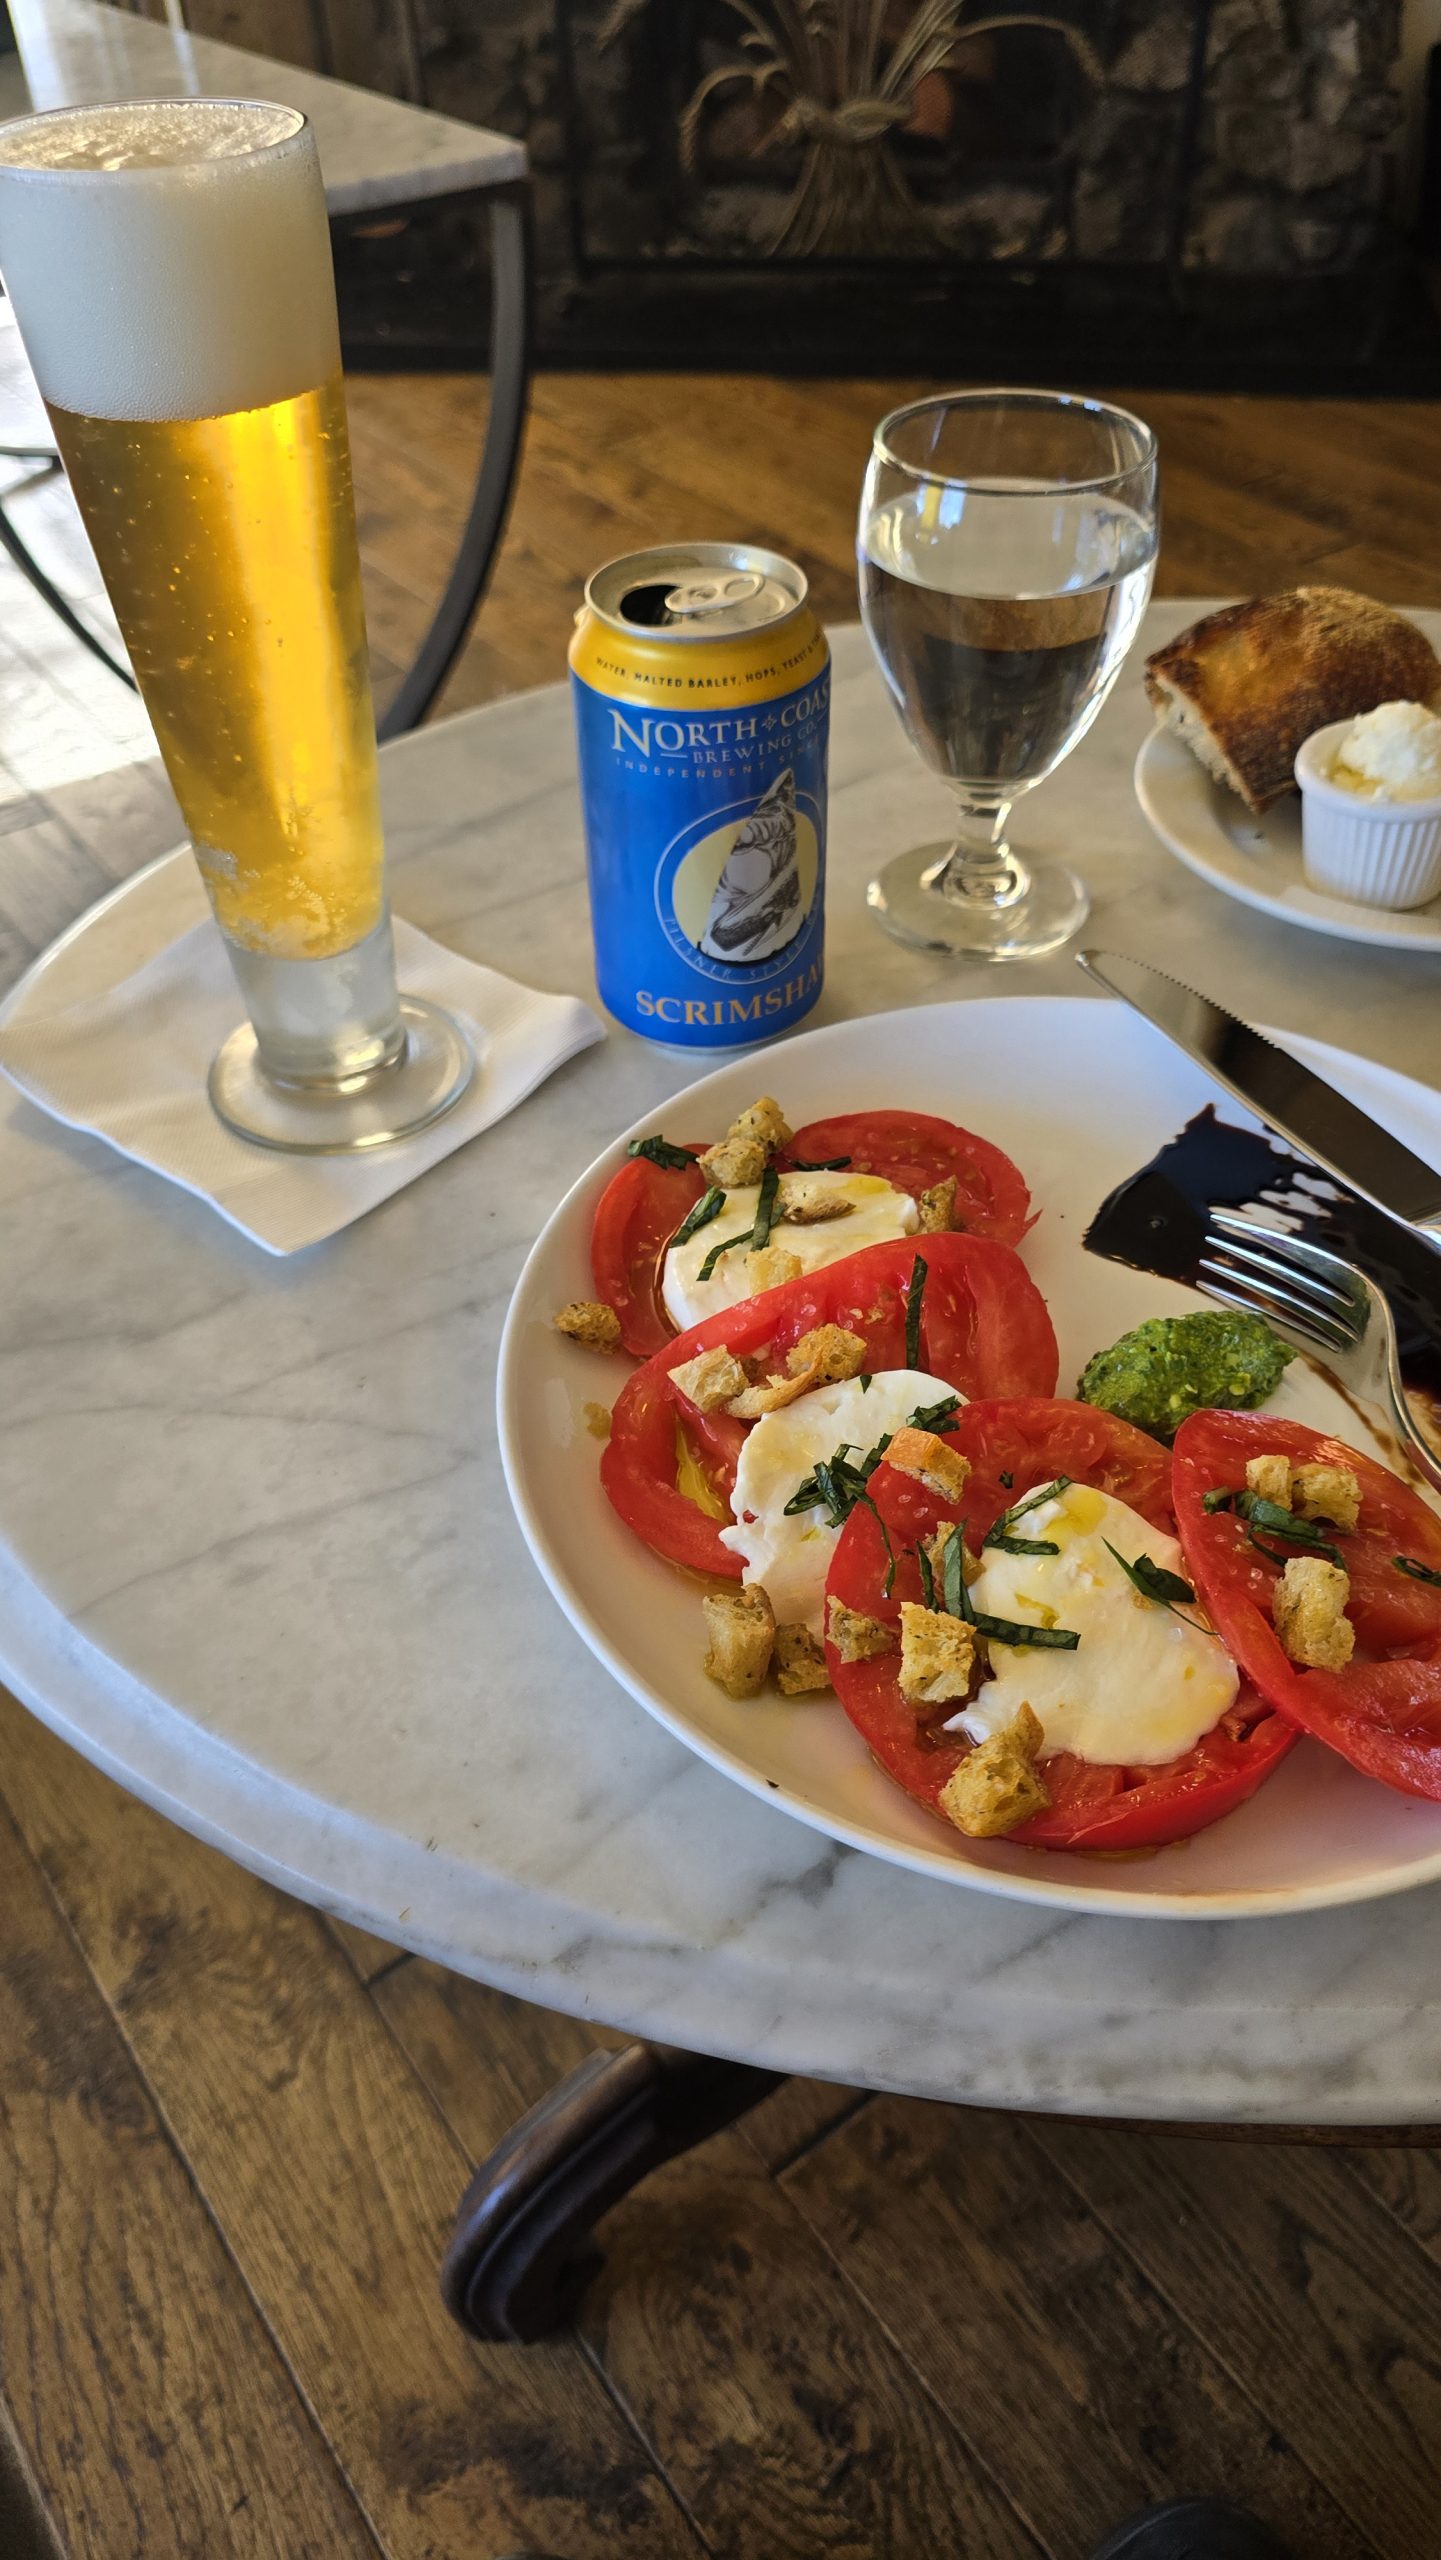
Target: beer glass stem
{"x": 980, "y": 868}
{"x": 326, "y": 1023}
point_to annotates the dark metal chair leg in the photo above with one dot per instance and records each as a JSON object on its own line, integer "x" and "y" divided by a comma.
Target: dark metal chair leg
{"x": 29, "y": 567}
{"x": 510, "y": 348}
{"x": 522, "y": 2251}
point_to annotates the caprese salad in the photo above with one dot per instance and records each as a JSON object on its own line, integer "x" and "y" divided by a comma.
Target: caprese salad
{"x": 1085, "y": 1624}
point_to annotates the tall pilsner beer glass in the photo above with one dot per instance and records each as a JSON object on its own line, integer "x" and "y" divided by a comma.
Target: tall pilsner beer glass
{"x": 169, "y": 265}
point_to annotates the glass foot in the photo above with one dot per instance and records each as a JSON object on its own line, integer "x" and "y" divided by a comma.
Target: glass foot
{"x": 435, "y": 1068}
{"x": 1052, "y": 905}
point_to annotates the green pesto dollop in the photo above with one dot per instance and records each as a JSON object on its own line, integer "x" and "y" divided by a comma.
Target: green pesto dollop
{"x": 1172, "y": 1366}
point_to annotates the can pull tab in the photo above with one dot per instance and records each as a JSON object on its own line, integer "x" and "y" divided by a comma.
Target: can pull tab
{"x": 714, "y": 595}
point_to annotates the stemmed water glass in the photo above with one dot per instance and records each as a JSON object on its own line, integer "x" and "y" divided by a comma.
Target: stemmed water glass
{"x": 1006, "y": 547}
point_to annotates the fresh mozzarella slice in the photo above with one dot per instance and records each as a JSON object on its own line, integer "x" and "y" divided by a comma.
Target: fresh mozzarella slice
{"x": 791, "y": 1557}
{"x": 1142, "y": 1686}
{"x": 876, "y": 1214}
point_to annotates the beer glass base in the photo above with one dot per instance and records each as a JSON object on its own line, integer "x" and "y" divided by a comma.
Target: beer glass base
{"x": 1053, "y": 906}
{"x": 436, "y": 1066}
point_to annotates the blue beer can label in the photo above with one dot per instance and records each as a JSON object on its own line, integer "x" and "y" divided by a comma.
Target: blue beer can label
{"x": 706, "y": 842}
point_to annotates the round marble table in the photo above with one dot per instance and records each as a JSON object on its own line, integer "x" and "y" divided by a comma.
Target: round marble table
{"x": 256, "y": 1557}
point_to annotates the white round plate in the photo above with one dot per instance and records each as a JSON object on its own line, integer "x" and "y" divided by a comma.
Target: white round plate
{"x": 1081, "y": 1093}
{"x": 1258, "y": 860}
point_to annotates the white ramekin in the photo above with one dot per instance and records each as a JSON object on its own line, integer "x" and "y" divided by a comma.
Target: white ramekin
{"x": 1384, "y": 853}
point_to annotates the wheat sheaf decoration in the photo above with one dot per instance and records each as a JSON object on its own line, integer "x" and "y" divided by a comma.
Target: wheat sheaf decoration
{"x": 843, "y": 83}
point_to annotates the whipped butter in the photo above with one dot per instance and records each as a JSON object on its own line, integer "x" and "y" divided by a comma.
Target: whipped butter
{"x": 1392, "y": 753}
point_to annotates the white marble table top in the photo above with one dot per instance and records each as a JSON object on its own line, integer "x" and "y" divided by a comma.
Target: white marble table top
{"x": 256, "y": 1557}
{"x": 374, "y": 150}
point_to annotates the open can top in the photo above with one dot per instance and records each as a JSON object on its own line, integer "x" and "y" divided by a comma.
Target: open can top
{"x": 697, "y": 590}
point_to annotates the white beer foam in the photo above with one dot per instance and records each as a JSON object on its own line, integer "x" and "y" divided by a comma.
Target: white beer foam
{"x": 168, "y": 258}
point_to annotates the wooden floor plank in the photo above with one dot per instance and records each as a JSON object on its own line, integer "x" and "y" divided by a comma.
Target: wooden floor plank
{"x": 150, "y": 2406}
{"x": 786, "y": 2423}
{"x": 333, "y": 2180}
{"x": 1009, "y": 2298}
{"x": 1322, "y": 2308}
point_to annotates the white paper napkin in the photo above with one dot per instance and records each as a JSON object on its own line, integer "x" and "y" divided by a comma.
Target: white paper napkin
{"x": 131, "y": 1065}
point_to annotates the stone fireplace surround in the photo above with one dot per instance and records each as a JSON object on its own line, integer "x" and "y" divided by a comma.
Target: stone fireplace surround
{"x": 1162, "y": 189}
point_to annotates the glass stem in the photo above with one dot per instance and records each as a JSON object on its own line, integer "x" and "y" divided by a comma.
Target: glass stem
{"x": 980, "y": 868}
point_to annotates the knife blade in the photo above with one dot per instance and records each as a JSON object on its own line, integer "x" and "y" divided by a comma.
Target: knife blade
{"x": 1290, "y": 1098}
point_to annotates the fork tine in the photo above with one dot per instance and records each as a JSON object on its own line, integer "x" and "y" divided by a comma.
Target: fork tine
{"x": 1292, "y": 1248}
{"x": 1326, "y": 1298}
{"x": 1293, "y": 1321}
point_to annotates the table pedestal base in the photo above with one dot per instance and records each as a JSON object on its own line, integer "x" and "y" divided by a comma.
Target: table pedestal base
{"x": 522, "y": 2250}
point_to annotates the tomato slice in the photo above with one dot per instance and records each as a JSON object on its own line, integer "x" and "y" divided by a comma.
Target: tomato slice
{"x": 984, "y": 1327}
{"x": 637, "y": 1214}
{"x": 1092, "y": 1806}
{"x": 915, "y": 1151}
{"x": 1383, "y": 1711}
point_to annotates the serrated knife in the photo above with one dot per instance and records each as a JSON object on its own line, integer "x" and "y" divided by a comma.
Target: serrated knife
{"x": 1299, "y": 1105}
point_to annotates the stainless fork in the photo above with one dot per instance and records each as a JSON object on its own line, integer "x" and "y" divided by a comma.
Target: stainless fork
{"x": 1318, "y": 1303}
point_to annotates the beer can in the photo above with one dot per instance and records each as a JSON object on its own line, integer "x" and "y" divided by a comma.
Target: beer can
{"x": 701, "y": 681}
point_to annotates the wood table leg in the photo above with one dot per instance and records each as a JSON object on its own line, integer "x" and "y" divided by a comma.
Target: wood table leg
{"x": 522, "y": 2249}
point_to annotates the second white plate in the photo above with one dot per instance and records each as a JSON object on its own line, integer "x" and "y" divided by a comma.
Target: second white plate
{"x": 1258, "y": 860}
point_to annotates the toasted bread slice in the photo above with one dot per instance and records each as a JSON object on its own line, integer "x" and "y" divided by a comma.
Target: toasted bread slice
{"x": 1247, "y": 686}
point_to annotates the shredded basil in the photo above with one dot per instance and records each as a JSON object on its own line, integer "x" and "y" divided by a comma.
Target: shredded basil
{"x": 714, "y": 1255}
{"x": 1000, "y": 1630}
{"x": 1033, "y": 1501}
{"x": 889, "y": 1583}
{"x": 758, "y": 1235}
{"x": 866, "y": 1377}
{"x": 953, "y": 1575}
{"x": 1274, "y": 1518}
{"x": 1418, "y": 1572}
{"x": 837, "y": 1482}
{"x": 1006, "y": 1478}
{"x": 999, "y": 1537}
{"x": 1012, "y": 1631}
{"x": 936, "y": 1417}
{"x": 1313, "y": 1547}
{"x": 1155, "y": 1584}
{"x": 820, "y": 1164}
{"x": 928, "y": 1579}
{"x": 914, "y": 1295}
{"x": 660, "y": 1151}
{"x": 707, "y": 1207}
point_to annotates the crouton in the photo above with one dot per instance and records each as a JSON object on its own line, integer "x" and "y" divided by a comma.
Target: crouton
{"x": 935, "y": 1546}
{"x": 764, "y": 1120}
{"x": 936, "y": 1208}
{"x": 938, "y": 1655}
{"x": 710, "y": 1379}
{"x": 734, "y": 1162}
{"x": 741, "y": 1626}
{"x": 805, "y": 1202}
{"x": 925, "y": 1455}
{"x": 856, "y": 1637}
{"x": 1320, "y": 1492}
{"x": 800, "y": 1662}
{"x": 996, "y": 1787}
{"x": 769, "y": 1268}
{"x": 597, "y": 1420}
{"x": 587, "y": 1320}
{"x": 768, "y": 1395}
{"x": 1308, "y": 1604}
{"x": 829, "y": 1353}
{"x": 1269, "y": 1477}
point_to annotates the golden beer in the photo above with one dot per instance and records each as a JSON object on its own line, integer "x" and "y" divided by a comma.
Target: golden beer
{"x": 228, "y": 547}
{"x": 169, "y": 265}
